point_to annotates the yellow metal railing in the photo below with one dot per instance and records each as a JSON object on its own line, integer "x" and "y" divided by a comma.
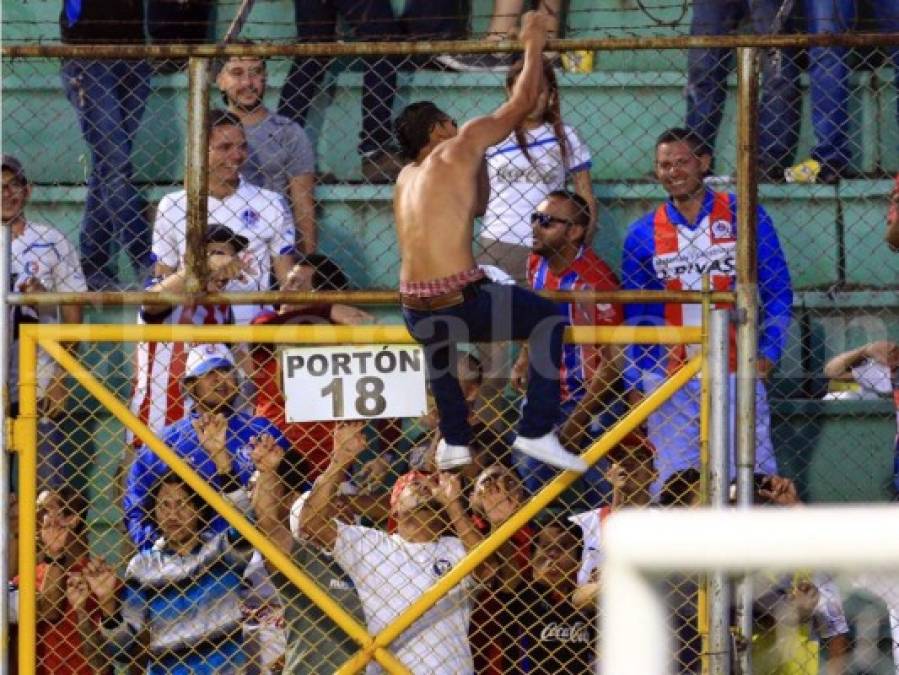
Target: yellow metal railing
{"x": 48, "y": 337}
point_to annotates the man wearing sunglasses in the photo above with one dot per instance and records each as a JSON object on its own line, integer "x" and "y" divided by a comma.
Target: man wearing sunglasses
{"x": 561, "y": 262}
{"x": 445, "y": 295}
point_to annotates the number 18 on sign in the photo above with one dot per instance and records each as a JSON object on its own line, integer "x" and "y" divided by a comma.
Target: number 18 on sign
{"x": 351, "y": 383}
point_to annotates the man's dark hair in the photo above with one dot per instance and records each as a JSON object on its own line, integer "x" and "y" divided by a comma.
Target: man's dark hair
{"x": 327, "y": 276}
{"x": 219, "y": 64}
{"x": 413, "y": 127}
{"x": 682, "y": 135}
{"x": 581, "y": 207}
{"x": 204, "y": 510}
{"x": 564, "y": 525}
{"x": 222, "y": 118}
{"x": 677, "y": 486}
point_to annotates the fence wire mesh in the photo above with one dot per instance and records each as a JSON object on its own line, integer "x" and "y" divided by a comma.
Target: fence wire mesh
{"x": 300, "y": 199}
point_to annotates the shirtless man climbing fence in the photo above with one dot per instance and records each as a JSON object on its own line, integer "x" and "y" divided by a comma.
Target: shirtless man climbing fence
{"x": 446, "y": 298}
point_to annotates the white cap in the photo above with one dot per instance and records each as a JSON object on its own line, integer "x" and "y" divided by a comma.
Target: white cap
{"x": 206, "y": 357}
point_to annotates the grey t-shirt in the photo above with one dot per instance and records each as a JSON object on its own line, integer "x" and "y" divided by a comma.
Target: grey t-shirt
{"x": 279, "y": 150}
{"x": 315, "y": 644}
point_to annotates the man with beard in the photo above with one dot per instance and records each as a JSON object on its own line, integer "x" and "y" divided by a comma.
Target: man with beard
{"x": 214, "y": 439}
{"x": 391, "y": 571}
{"x": 281, "y": 157}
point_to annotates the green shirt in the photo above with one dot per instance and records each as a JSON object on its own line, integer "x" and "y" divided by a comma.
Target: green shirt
{"x": 315, "y": 644}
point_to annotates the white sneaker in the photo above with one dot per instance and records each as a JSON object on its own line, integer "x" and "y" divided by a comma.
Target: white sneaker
{"x": 549, "y": 451}
{"x": 451, "y": 456}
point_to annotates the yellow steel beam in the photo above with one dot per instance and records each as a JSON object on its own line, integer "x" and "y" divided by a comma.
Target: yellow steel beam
{"x": 221, "y": 505}
{"x": 532, "y": 507}
{"x": 350, "y": 335}
{"x": 27, "y": 501}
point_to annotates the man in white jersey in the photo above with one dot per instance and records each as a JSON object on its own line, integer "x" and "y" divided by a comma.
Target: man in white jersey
{"x": 41, "y": 259}
{"x": 391, "y": 571}
{"x": 252, "y": 212}
{"x": 158, "y": 399}
{"x": 281, "y": 157}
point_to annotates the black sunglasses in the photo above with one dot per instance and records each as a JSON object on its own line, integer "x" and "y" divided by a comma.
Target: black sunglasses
{"x": 546, "y": 221}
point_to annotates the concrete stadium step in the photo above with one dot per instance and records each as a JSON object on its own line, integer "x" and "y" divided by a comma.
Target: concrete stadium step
{"x": 830, "y": 235}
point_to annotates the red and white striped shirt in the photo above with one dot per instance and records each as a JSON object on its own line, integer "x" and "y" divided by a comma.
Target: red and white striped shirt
{"x": 157, "y": 398}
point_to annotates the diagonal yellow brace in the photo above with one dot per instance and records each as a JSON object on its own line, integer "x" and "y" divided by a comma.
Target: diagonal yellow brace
{"x": 548, "y": 493}
{"x": 221, "y": 505}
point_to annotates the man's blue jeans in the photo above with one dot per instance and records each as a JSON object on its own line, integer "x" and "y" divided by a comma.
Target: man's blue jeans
{"x": 829, "y": 74}
{"x": 316, "y": 21}
{"x": 110, "y": 97}
{"x": 707, "y": 71}
{"x": 496, "y": 313}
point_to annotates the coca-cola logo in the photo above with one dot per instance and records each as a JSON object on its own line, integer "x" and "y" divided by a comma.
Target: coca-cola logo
{"x": 561, "y": 632}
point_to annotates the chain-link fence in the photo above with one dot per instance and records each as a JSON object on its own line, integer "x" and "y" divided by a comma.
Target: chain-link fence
{"x": 301, "y": 159}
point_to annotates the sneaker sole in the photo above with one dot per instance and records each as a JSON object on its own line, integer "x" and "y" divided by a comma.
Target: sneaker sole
{"x": 568, "y": 462}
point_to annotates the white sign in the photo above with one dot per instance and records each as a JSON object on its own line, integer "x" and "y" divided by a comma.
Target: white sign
{"x": 353, "y": 382}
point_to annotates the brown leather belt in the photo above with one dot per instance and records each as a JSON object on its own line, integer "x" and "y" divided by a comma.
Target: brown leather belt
{"x": 443, "y": 301}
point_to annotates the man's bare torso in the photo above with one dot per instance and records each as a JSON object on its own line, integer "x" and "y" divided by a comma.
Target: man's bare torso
{"x": 434, "y": 204}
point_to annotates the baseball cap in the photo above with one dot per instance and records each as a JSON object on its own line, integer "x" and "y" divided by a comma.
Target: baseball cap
{"x": 220, "y": 234}
{"x": 10, "y": 163}
{"x": 207, "y": 357}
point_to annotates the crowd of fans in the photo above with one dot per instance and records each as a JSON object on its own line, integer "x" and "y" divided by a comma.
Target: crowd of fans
{"x": 375, "y": 521}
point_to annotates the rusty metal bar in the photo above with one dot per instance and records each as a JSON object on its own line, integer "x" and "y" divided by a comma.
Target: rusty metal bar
{"x": 196, "y": 174}
{"x": 442, "y": 46}
{"x": 747, "y": 309}
{"x": 246, "y": 6}
{"x": 132, "y": 298}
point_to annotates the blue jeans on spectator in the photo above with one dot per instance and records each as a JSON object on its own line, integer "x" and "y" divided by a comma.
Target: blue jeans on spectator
{"x": 110, "y": 97}
{"x": 495, "y": 313}
{"x": 829, "y": 74}
{"x": 707, "y": 71}
{"x": 316, "y": 21}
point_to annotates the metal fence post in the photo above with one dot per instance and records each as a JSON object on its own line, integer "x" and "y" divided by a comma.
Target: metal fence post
{"x": 719, "y": 442}
{"x": 747, "y": 308}
{"x": 196, "y": 174}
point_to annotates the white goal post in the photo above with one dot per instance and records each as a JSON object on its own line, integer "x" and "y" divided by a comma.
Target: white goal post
{"x": 641, "y": 545}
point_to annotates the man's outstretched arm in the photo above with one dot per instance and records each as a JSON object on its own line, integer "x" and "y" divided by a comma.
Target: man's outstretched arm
{"x": 482, "y": 132}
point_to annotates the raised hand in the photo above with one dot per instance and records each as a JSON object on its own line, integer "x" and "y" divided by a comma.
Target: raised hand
{"x": 211, "y": 431}
{"x": 534, "y": 28}
{"x": 449, "y": 488}
{"x": 77, "y": 590}
{"x": 349, "y": 441}
{"x": 101, "y": 579}
{"x": 780, "y": 490}
{"x": 55, "y": 535}
{"x": 373, "y": 473}
{"x": 266, "y": 453}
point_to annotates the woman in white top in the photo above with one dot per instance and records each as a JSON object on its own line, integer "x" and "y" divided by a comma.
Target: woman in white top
{"x": 541, "y": 155}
